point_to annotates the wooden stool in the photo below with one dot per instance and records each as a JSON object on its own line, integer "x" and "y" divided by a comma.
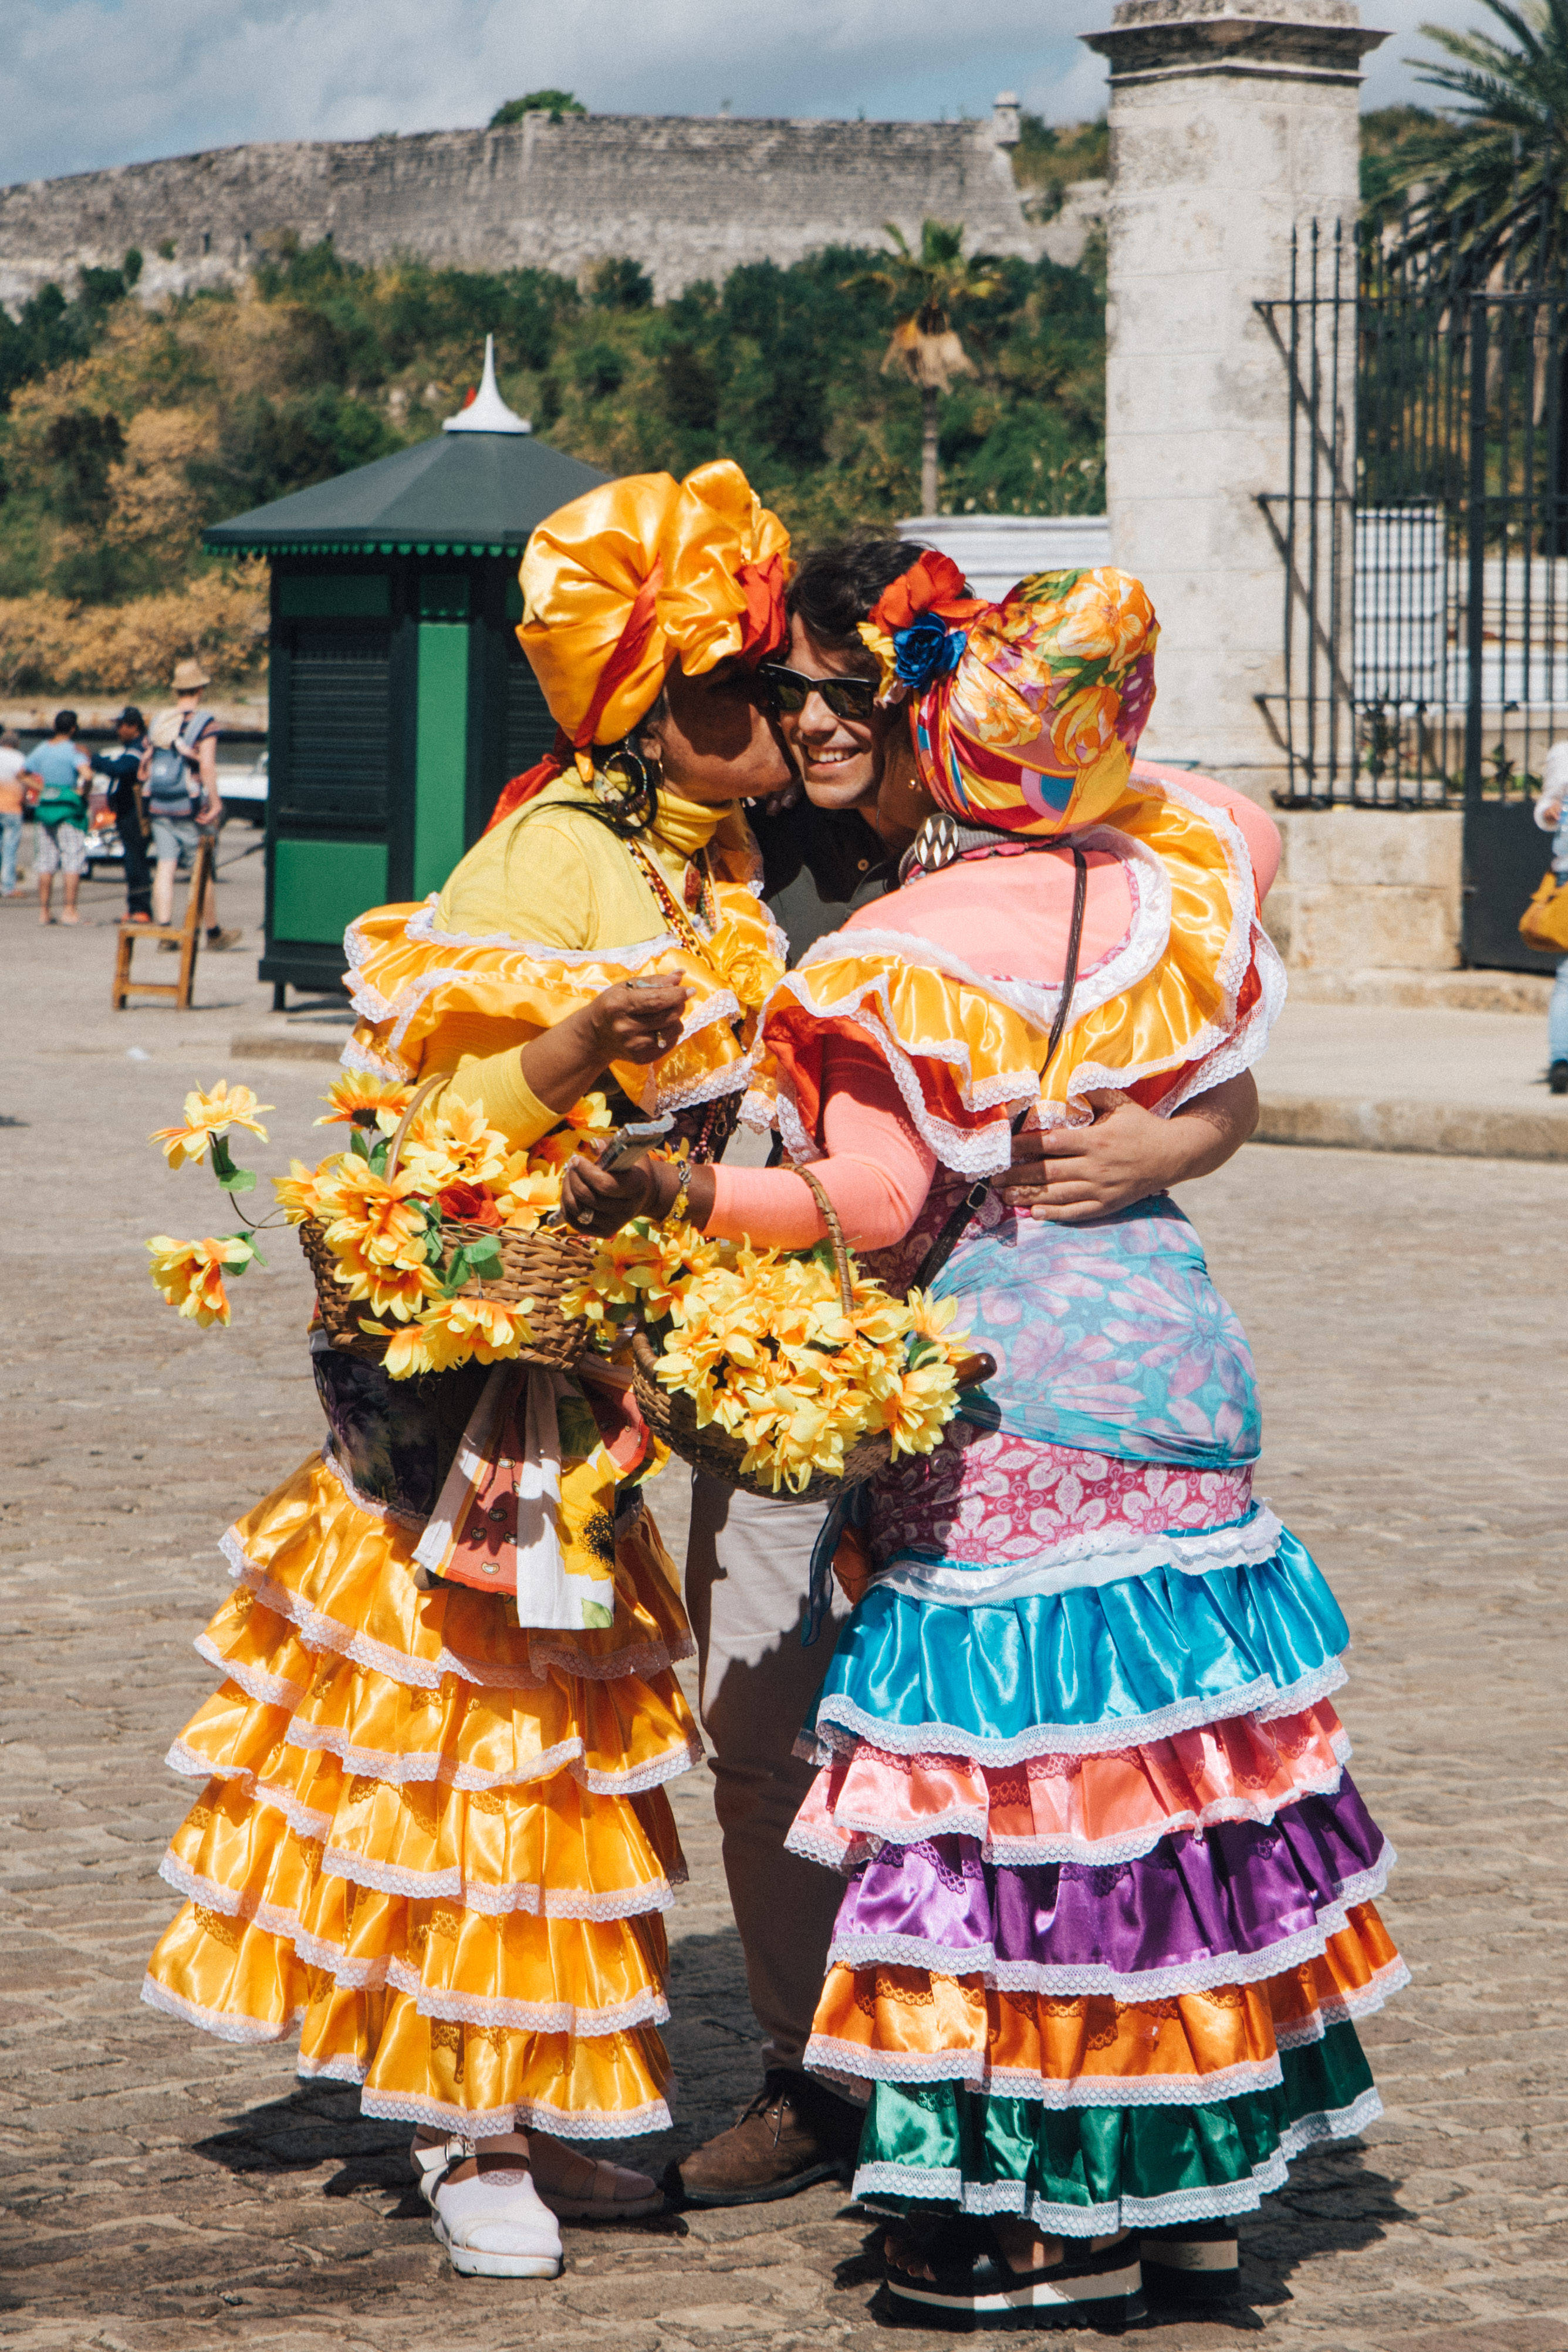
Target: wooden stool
{"x": 185, "y": 936}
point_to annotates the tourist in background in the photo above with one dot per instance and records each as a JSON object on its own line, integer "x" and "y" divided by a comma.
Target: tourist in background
{"x": 184, "y": 803}
{"x": 61, "y": 767}
{"x": 120, "y": 767}
{"x": 16, "y": 781}
{"x": 1552, "y": 816}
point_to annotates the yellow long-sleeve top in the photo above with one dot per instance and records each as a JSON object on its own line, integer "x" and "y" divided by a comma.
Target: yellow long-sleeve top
{"x": 541, "y": 915}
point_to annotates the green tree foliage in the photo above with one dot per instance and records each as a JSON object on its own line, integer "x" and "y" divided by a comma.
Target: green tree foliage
{"x": 130, "y": 430}
{"x": 1492, "y": 178}
{"x": 1050, "y": 156}
{"x": 554, "y": 102}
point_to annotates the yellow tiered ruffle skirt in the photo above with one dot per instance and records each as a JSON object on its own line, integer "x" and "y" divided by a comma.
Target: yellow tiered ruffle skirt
{"x": 436, "y": 1841}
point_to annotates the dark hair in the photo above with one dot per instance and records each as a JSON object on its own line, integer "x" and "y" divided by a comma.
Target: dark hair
{"x": 638, "y": 811}
{"x": 65, "y": 722}
{"x": 836, "y": 586}
{"x": 132, "y": 716}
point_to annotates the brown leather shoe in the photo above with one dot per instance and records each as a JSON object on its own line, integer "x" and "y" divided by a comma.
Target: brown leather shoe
{"x": 794, "y": 2134}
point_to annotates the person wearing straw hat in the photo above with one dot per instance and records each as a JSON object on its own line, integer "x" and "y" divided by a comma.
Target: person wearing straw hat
{"x": 1108, "y": 1920}
{"x": 179, "y": 781}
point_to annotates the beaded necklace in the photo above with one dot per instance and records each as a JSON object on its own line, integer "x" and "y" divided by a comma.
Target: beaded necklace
{"x": 719, "y": 1117}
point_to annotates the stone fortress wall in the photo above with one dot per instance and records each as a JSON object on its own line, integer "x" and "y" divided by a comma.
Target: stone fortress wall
{"x": 687, "y": 197}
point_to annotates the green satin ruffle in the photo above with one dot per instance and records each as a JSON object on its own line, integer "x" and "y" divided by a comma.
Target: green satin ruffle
{"x": 1082, "y": 2172}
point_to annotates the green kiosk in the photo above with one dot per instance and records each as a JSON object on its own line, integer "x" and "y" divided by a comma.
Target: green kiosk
{"x": 400, "y": 701}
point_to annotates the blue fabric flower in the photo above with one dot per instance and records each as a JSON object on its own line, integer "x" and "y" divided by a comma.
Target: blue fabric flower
{"x": 927, "y": 650}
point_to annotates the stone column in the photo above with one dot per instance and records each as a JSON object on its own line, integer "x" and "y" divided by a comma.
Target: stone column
{"x": 1228, "y": 127}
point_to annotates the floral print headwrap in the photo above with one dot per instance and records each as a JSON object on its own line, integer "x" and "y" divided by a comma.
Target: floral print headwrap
{"x": 1026, "y": 714}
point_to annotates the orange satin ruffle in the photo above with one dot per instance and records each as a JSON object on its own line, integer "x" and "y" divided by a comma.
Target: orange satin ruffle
{"x": 902, "y": 2025}
{"x": 439, "y": 1840}
{"x": 413, "y": 987}
{"x": 601, "y": 631}
{"x": 967, "y": 1060}
{"x": 1079, "y": 1809}
{"x": 246, "y": 1985}
{"x": 344, "y": 1581}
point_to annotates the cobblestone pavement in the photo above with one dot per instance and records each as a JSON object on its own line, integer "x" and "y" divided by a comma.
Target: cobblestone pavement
{"x": 164, "y": 2191}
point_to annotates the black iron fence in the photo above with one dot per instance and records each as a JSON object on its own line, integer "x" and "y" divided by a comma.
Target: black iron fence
{"x": 1423, "y": 524}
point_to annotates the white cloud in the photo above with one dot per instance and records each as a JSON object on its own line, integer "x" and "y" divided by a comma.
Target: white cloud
{"x": 85, "y": 83}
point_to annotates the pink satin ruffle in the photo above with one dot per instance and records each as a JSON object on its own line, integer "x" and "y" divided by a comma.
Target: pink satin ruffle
{"x": 1086, "y": 1809}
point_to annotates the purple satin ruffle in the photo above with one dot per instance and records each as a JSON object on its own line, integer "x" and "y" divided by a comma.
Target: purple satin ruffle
{"x": 1227, "y": 1905}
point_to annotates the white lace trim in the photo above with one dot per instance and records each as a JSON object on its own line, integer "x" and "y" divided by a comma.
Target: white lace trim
{"x": 357, "y": 1056}
{"x": 720, "y": 1007}
{"x": 647, "y": 1659}
{"x": 266, "y": 1690}
{"x": 865, "y": 1836}
{"x": 305, "y": 1820}
{"x": 600, "y": 1908}
{"x": 1194, "y": 1976}
{"x": 825, "y": 2054}
{"x": 840, "y": 1722}
{"x": 649, "y": 2007}
{"x": 524, "y": 2114}
{"x": 319, "y": 1632}
{"x": 1105, "y": 1557}
{"x": 369, "y": 1504}
{"x": 423, "y": 1767}
{"x": 1346, "y": 2008}
{"x": 1217, "y": 2202}
{"x": 1134, "y": 957}
{"x": 217, "y": 2021}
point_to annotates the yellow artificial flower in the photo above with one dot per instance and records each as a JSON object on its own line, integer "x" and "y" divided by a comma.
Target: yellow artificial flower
{"x": 455, "y": 1331}
{"x": 190, "y": 1274}
{"x": 207, "y": 1115}
{"x": 408, "y": 1348}
{"x": 358, "y": 1095}
{"x": 919, "y": 1407}
{"x": 458, "y": 1146}
{"x": 931, "y": 1315}
{"x": 297, "y": 1193}
{"x": 531, "y": 1195}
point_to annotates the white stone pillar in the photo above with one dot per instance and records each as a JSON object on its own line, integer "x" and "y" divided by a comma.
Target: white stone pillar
{"x": 1229, "y": 126}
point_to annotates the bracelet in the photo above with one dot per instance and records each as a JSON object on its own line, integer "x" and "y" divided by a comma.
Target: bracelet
{"x": 675, "y": 1212}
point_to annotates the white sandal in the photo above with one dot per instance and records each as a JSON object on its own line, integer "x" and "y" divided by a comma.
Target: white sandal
{"x": 494, "y": 2225}
{"x": 613, "y": 2193}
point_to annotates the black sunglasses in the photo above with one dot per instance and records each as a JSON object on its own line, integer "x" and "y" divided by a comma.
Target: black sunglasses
{"x": 846, "y": 698}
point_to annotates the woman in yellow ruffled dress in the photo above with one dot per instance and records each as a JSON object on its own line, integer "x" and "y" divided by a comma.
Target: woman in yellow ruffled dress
{"x": 433, "y": 1838}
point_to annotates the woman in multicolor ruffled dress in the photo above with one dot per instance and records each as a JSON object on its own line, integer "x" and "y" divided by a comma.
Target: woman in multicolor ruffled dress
{"x": 434, "y": 1838}
{"x": 1109, "y": 1919}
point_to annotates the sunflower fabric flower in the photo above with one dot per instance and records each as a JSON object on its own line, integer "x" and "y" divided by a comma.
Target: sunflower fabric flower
{"x": 207, "y": 1115}
{"x": 190, "y": 1274}
{"x": 361, "y": 1099}
{"x": 761, "y": 1343}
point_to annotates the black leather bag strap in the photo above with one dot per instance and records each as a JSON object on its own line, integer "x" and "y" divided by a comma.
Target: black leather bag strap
{"x": 947, "y": 1240}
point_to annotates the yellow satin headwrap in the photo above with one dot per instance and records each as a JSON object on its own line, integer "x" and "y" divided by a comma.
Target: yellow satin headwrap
{"x": 642, "y": 572}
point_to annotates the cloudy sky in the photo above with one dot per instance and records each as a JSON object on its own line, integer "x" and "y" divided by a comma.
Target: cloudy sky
{"x": 89, "y": 82}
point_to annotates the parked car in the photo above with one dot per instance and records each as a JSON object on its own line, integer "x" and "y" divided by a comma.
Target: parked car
{"x": 243, "y": 790}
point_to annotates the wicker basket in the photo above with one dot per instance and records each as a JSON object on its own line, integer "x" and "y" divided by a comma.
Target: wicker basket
{"x": 541, "y": 1266}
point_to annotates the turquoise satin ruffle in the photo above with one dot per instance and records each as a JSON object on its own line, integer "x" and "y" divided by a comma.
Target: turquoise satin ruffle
{"x": 1099, "y": 1667}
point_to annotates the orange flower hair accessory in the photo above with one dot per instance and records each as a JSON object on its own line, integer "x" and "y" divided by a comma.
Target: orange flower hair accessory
{"x": 915, "y": 628}
{"x": 630, "y": 579}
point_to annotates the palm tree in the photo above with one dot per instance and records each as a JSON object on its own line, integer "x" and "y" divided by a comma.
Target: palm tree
{"x": 1493, "y": 179}
{"x": 925, "y": 345}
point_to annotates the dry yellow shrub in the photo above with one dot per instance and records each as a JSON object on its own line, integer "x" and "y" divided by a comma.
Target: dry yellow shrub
{"x": 106, "y": 649}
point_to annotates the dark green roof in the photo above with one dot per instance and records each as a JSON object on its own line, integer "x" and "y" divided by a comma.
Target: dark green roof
{"x": 455, "y": 494}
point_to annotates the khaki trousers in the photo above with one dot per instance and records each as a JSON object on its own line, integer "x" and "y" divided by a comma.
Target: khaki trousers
{"x": 748, "y": 1566}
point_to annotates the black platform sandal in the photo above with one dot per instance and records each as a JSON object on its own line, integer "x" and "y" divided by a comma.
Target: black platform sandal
{"x": 975, "y": 2286}
{"x": 1192, "y": 2263}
